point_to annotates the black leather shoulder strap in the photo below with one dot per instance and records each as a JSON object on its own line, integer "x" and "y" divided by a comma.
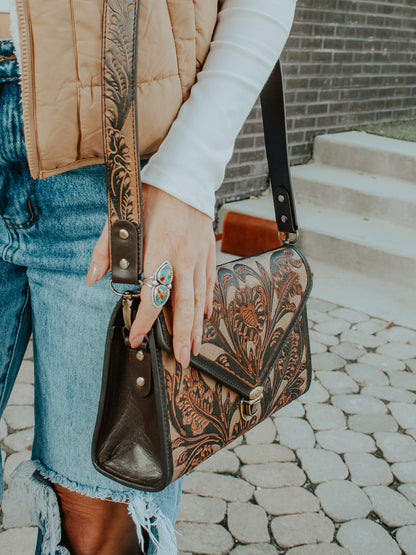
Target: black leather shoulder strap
{"x": 274, "y": 122}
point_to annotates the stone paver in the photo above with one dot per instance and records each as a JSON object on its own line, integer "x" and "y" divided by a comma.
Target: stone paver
{"x": 337, "y": 382}
{"x": 325, "y": 417}
{"x": 265, "y": 432}
{"x": 315, "y": 394}
{"x": 404, "y": 413}
{"x": 353, "y": 404}
{"x": 257, "y": 454}
{"x": 193, "y": 508}
{"x": 362, "y": 339}
{"x": 327, "y": 361}
{"x": 348, "y": 351}
{"x": 18, "y": 541}
{"x": 19, "y": 417}
{"x": 364, "y": 374}
{"x": 388, "y": 393}
{"x": 224, "y": 461}
{"x": 22, "y": 394}
{"x": 406, "y": 538}
{"x": 369, "y": 423}
{"x": 345, "y": 441}
{"x": 405, "y": 471}
{"x": 382, "y": 362}
{"x": 404, "y": 380}
{"x": 292, "y": 530}
{"x": 273, "y": 475}
{"x": 333, "y": 326}
{"x": 319, "y": 549}
{"x": 342, "y": 500}
{"x": 208, "y": 484}
{"x": 391, "y": 507}
{"x": 207, "y": 539}
{"x": 401, "y": 351}
{"x": 254, "y": 549}
{"x": 294, "y": 409}
{"x": 398, "y": 334}
{"x": 344, "y": 454}
{"x": 409, "y": 491}
{"x": 396, "y": 447}
{"x": 294, "y": 432}
{"x": 349, "y": 315}
{"x": 247, "y": 523}
{"x": 285, "y": 501}
{"x": 321, "y": 465}
{"x": 365, "y": 537}
{"x": 368, "y": 470}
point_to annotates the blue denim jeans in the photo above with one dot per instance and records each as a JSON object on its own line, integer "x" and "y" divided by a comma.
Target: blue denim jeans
{"x": 48, "y": 229}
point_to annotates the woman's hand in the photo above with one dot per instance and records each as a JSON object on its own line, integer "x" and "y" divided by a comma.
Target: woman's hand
{"x": 177, "y": 232}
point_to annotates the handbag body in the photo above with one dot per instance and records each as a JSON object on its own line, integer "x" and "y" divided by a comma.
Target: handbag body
{"x": 157, "y": 420}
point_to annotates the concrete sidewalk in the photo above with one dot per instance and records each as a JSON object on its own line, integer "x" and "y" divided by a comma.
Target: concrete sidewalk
{"x": 331, "y": 474}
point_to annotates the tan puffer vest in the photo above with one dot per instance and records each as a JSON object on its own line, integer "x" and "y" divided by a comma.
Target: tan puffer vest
{"x": 61, "y": 49}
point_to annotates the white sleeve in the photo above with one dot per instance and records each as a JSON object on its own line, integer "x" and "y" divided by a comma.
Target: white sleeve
{"x": 248, "y": 40}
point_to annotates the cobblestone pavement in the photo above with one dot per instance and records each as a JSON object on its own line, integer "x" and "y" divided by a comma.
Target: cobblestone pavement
{"x": 331, "y": 474}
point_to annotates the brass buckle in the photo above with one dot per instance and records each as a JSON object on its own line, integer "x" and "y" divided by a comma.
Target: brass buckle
{"x": 127, "y": 303}
{"x": 249, "y": 407}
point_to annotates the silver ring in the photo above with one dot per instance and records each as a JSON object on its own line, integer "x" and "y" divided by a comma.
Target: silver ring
{"x": 160, "y": 284}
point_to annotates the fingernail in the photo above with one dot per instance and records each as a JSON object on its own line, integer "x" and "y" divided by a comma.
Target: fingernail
{"x": 196, "y": 347}
{"x": 136, "y": 341}
{"x": 92, "y": 275}
{"x": 185, "y": 357}
{"x": 210, "y": 309}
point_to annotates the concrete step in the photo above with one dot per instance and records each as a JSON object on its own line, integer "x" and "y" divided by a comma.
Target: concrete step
{"x": 362, "y": 194}
{"x": 356, "y": 150}
{"x": 372, "y": 247}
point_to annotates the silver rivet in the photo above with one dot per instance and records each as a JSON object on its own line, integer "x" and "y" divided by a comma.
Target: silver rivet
{"x": 281, "y": 198}
{"x": 140, "y": 355}
{"x": 123, "y": 233}
{"x": 140, "y": 381}
{"x": 124, "y": 263}
{"x": 284, "y": 219}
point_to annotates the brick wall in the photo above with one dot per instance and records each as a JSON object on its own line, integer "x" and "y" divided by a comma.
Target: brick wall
{"x": 346, "y": 63}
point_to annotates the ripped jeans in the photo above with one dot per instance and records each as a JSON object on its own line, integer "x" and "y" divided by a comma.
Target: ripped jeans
{"x": 48, "y": 229}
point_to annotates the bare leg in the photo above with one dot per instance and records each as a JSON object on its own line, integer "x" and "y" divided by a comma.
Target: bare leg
{"x": 95, "y": 526}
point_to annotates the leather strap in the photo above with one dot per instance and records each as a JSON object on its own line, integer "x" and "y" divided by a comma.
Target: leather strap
{"x": 121, "y": 149}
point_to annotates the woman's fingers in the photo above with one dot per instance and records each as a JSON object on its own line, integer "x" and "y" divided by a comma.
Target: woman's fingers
{"x": 183, "y": 314}
{"x": 100, "y": 260}
{"x": 199, "y": 309}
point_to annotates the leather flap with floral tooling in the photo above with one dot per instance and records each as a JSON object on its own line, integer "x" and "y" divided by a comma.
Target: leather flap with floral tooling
{"x": 257, "y": 302}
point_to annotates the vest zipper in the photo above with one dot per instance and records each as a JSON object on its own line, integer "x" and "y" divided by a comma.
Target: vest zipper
{"x": 28, "y": 89}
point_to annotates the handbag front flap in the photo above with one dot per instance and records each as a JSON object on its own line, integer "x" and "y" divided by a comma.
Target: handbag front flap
{"x": 257, "y": 301}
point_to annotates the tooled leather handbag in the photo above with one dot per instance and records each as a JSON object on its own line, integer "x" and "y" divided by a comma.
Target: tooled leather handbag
{"x": 156, "y": 419}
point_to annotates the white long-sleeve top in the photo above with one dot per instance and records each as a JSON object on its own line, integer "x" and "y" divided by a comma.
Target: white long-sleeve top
{"x": 248, "y": 40}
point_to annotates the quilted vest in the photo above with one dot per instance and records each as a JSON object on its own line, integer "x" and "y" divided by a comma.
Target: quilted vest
{"x": 61, "y": 74}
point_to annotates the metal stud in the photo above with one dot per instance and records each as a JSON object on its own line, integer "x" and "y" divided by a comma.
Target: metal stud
{"x": 281, "y": 198}
{"x": 284, "y": 219}
{"x": 140, "y": 381}
{"x": 123, "y": 234}
{"x": 124, "y": 263}
{"x": 140, "y": 355}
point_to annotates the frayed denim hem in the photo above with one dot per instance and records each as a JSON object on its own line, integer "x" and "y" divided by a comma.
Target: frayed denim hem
{"x": 30, "y": 482}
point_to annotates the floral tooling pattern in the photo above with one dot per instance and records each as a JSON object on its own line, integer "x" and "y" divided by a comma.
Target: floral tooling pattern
{"x": 258, "y": 333}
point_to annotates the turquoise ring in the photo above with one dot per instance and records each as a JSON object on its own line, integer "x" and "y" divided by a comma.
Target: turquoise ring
{"x": 160, "y": 284}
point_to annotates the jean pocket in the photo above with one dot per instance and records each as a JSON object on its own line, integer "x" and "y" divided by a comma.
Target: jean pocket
{"x": 18, "y": 206}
